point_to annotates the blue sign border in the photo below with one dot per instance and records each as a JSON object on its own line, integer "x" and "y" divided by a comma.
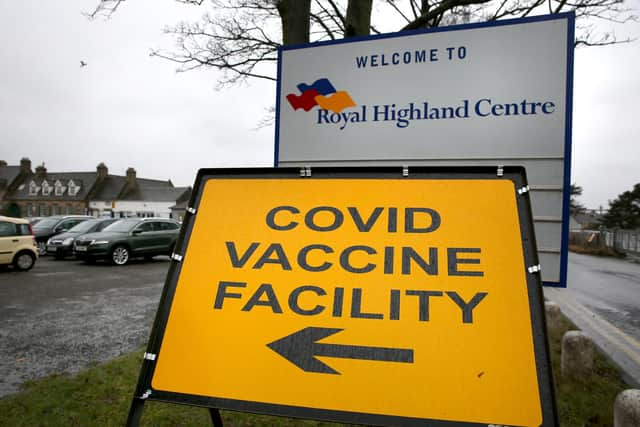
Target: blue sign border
{"x": 569, "y": 16}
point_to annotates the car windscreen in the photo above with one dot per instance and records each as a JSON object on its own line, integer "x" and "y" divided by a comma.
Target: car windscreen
{"x": 105, "y": 224}
{"x": 46, "y": 223}
{"x": 83, "y": 227}
{"x": 122, "y": 226}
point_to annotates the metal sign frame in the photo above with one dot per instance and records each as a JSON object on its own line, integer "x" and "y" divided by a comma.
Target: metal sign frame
{"x": 144, "y": 390}
{"x": 542, "y": 219}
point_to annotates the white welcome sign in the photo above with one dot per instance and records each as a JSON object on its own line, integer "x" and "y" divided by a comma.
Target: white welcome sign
{"x": 479, "y": 94}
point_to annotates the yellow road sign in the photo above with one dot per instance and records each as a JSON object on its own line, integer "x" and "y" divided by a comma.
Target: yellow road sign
{"x": 391, "y": 298}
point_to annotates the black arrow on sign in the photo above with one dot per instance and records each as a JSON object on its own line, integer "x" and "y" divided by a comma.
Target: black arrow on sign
{"x": 301, "y": 349}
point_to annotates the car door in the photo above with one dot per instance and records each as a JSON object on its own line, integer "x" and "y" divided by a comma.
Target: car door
{"x": 167, "y": 233}
{"x": 9, "y": 241}
{"x": 157, "y": 238}
{"x": 141, "y": 239}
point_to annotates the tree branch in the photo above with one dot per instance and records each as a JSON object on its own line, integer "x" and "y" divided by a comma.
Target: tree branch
{"x": 437, "y": 13}
{"x": 241, "y": 37}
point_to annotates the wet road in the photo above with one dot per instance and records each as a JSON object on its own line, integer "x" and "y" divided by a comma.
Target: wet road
{"x": 64, "y": 315}
{"x": 603, "y": 299}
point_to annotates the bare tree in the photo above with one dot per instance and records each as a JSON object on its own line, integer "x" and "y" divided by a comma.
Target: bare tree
{"x": 104, "y": 8}
{"x": 109, "y": 7}
{"x": 241, "y": 37}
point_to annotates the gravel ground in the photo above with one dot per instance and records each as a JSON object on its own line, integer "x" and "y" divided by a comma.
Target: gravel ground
{"x": 63, "y": 316}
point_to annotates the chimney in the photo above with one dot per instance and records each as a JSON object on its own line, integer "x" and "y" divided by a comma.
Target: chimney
{"x": 131, "y": 179}
{"x": 25, "y": 166}
{"x": 131, "y": 175}
{"x": 102, "y": 171}
{"x": 41, "y": 171}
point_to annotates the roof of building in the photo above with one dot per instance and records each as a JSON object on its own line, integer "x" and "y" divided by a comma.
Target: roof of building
{"x": 587, "y": 218}
{"x": 155, "y": 193}
{"x": 182, "y": 206}
{"x": 110, "y": 188}
{"x": 83, "y": 180}
{"x": 81, "y": 186}
{"x": 8, "y": 174}
{"x": 145, "y": 182}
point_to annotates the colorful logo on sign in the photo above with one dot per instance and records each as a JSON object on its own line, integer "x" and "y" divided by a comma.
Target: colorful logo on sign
{"x": 321, "y": 93}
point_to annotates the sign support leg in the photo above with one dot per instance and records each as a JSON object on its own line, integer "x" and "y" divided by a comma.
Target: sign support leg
{"x": 216, "y": 418}
{"x": 135, "y": 412}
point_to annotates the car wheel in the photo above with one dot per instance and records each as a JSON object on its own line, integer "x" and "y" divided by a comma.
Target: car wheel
{"x": 42, "y": 248}
{"x": 24, "y": 261}
{"x": 120, "y": 255}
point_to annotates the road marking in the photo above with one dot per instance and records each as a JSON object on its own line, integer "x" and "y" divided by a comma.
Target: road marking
{"x": 630, "y": 342}
{"x": 605, "y": 329}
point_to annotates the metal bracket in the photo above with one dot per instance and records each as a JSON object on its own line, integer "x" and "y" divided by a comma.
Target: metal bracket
{"x": 500, "y": 170}
{"x": 523, "y": 190}
{"x": 149, "y": 356}
{"x": 176, "y": 257}
{"x": 405, "y": 171}
{"x": 146, "y": 394}
{"x": 534, "y": 269}
{"x": 305, "y": 171}
{"x": 191, "y": 210}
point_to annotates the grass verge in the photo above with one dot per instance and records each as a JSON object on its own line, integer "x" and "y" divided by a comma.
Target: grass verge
{"x": 595, "y": 250}
{"x": 100, "y": 396}
{"x": 584, "y": 403}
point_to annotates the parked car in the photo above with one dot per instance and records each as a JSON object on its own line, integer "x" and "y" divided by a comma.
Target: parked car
{"x": 61, "y": 245}
{"x": 17, "y": 243}
{"x": 129, "y": 238}
{"x": 34, "y": 219}
{"x": 52, "y": 225}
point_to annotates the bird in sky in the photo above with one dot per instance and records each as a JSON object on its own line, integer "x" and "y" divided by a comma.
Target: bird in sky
{"x": 83, "y": 64}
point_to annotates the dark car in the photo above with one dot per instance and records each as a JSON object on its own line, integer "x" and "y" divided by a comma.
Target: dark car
{"x": 129, "y": 238}
{"x": 34, "y": 219}
{"x": 52, "y": 225}
{"x": 61, "y": 245}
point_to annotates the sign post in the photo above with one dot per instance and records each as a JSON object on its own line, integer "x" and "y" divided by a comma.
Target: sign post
{"x": 381, "y": 296}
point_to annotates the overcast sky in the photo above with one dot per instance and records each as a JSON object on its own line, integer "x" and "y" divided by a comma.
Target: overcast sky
{"x": 128, "y": 109}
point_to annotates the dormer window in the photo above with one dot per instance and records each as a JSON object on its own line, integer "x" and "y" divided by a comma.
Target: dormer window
{"x": 46, "y": 188}
{"x": 59, "y": 188}
{"x": 33, "y": 188}
{"x": 73, "y": 188}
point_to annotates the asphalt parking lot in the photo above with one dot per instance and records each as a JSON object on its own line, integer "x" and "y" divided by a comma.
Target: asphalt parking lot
{"x": 63, "y": 316}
